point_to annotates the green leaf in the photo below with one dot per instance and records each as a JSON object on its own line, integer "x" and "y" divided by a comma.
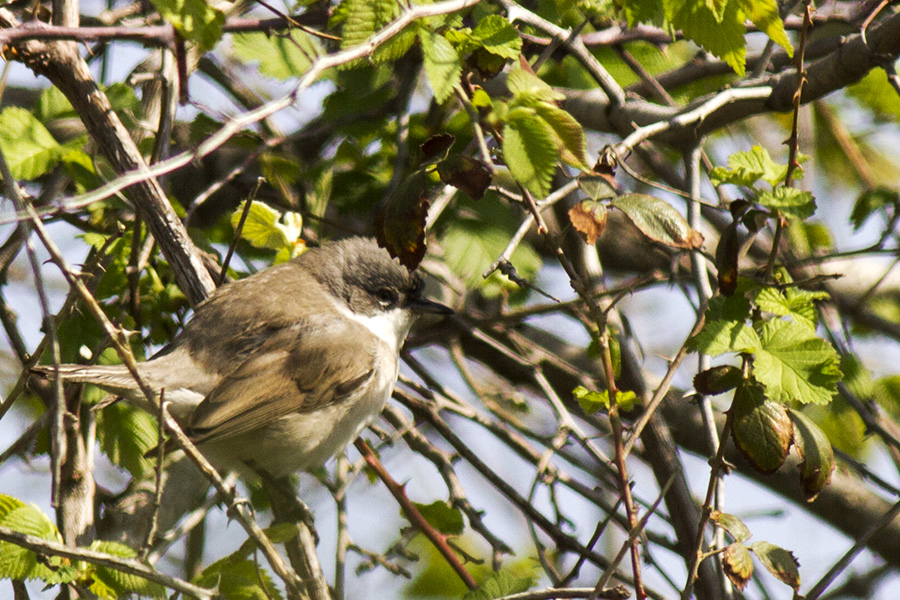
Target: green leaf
{"x": 443, "y": 66}
{"x": 52, "y": 105}
{"x": 780, "y": 562}
{"x": 442, "y": 517}
{"x": 529, "y": 149}
{"x": 197, "y": 20}
{"x": 788, "y": 201}
{"x": 659, "y": 221}
{"x": 730, "y": 523}
{"x": 279, "y": 56}
{"x": 365, "y": 17}
{"x": 721, "y": 336}
{"x": 795, "y": 365}
{"x": 527, "y": 88}
{"x": 239, "y": 579}
{"x": 591, "y": 401}
{"x": 816, "y": 452}
{"x": 745, "y": 168}
{"x": 722, "y": 37}
{"x": 266, "y": 227}
{"x": 871, "y": 201}
{"x": 737, "y": 564}
{"x": 126, "y": 434}
{"x": 875, "y": 93}
{"x": 569, "y": 135}
{"x": 30, "y": 149}
{"x": 119, "y": 582}
{"x": 764, "y": 14}
{"x": 498, "y": 36}
{"x": 17, "y": 562}
{"x": 500, "y": 584}
{"x": 472, "y": 244}
{"x": 793, "y": 302}
{"x": 762, "y": 430}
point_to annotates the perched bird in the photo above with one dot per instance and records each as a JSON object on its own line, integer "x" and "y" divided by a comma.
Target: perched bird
{"x": 281, "y": 370}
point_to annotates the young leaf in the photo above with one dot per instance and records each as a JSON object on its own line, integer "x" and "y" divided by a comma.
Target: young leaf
{"x": 761, "y": 428}
{"x": 197, "y": 20}
{"x": 659, "y": 221}
{"x": 746, "y": 168}
{"x": 119, "y": 582}
{"x": 871, "y": 201}
{"x": 816, "y": 452}
{"x": 126, "y": 434}
{"x": 738, "y": 564}
{"x": 498, "y": 36}
{"x": 789, "y": 201}
{"x": 780, "y": 562}
{"x": 28, "y": 147}
{"x": 17, "y": 562}
{"x": 279, "y": 56}
{"x": 764, "y": 14}
{"x": 236, "y": 577}
{"x": 795, "y": 365}
{"x": 527, "y": 87}
{"x": 591, "y": 402}
{"x": 443, "y": 517}
{"x": 365, "y": 17}
{"x": 795, "y": 303}
{"x": 266, "y": 227}
{"x": 569, "y": 134}
{"x": 720, "y": 336}
{"x": 730, "y": 523}
{"x": 721, "y": 34}
{"x": 442, "y": 64}
{"x": 530, "y": 150}
{"x": 499, "y": 585}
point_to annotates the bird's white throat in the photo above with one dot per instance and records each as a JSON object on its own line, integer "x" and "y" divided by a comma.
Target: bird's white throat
{"x": 391, "y": 326}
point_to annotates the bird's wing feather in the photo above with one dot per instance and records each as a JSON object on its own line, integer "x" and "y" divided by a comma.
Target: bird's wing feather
{"x": 293, "y": 372}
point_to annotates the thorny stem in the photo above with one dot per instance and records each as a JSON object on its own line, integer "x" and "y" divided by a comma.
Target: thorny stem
{"x": 717, "y": 465}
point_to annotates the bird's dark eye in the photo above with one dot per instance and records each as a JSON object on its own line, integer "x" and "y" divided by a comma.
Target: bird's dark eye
{"x": 386, "y": 296}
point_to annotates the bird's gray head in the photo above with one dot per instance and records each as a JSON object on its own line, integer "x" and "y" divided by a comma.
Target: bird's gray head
{"x": 363, "y": 275}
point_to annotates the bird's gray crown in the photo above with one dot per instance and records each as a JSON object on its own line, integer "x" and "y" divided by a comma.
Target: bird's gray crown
{"x": 364, "y": 275}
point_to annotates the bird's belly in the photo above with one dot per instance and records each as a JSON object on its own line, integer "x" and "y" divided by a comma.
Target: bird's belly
{"x": 305, "y": 440}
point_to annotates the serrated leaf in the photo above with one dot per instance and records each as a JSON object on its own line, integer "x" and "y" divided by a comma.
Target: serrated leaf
{"x": 762, "y": 430}
{"x": 529, "y": 150}
{"x": 730, "y": 523}
{"x": 239, "y": 579}
{"x": 52, "y": 105}
{"x": 527, "y": 87}
{"x": 588, "y": 218}
{"x": 795, "y": 303}
{"x": 816, "y": 454}
{"x": 498, "y": 36}
{"x": 268, "y": 228}
{"x": 569, "y": 134}
{"x": 499, "y": 585}
{"x": 738, "y": 564}
{"x": 279, "y": 56}
{"x": 764, "y": 14}
{"x": 721, "y": 336}
{"x": 126, "y": 434}
{"x": 723, "y": 37}
{"x": 197, "y": 20}
{"x": 788, "y": 201}
{"x": 30, "y": 150}
{"x": 442, "y": 64}
{"x": 365, "y": 17}
{"x": 780, "y": 562}
{"x": 119, "y": 582}
{"x": 17, "y": 562}
{"x": 795, "y": 365}
{"x": 443, "y": 517}
{"x": 659, "y": 221}
{"x": 400, "y": 226}
{"x": 746, "y": 168}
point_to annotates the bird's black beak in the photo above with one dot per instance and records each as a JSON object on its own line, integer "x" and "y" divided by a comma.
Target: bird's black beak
{"x": 421, "y": 306}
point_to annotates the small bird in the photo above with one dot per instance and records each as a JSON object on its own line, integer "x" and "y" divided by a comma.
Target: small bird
{"x": 279, "y": 371}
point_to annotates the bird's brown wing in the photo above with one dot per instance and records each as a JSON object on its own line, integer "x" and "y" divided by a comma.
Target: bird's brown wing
{"x": 294, "y": 372}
